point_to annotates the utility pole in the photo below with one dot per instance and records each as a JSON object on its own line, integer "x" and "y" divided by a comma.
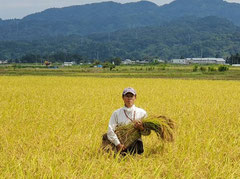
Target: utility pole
{"x": 97, "y": 55}
{"x": 36, "y": 59}
{"x": 136, "y": 34}
{"x": 17, "y": 27}
{"x": 108, "y": 36}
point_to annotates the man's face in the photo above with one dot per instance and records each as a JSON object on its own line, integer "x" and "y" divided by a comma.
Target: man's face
{"x": 129, "y": 99}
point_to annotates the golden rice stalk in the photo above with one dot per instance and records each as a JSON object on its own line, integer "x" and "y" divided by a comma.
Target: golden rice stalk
{"x": 161, "y": 125}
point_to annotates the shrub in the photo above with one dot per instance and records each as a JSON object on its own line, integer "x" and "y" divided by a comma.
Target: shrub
{"x": 222, "y": 68}
{"x": 195, "y": 68}
{"x": 203, "y": 68}
{"x": 212, "y": 69}
{"x": 150, "y": 69}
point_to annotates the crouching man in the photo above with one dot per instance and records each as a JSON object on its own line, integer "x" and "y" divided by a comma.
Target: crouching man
{"x": 125, "y": 115}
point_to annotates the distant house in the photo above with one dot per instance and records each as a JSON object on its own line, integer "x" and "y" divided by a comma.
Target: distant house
{"x": 158, "y": 60}
{"x": 3, "y": 61}
{"x": 128, "y": 62}
{"x": 144, "y": 62}
{"x": 180, "y": 61}
{"x": 68, "y": 63}
{"x": 141, "y": 61}
{"x": 97, "y": 66}
{"x": 161, "y": 61}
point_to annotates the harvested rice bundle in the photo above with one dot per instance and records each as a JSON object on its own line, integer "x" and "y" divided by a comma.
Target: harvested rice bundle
{"x": 161, "y": 125}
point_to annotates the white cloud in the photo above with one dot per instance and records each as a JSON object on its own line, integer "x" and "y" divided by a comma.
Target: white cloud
{"x": 237, "y": 1}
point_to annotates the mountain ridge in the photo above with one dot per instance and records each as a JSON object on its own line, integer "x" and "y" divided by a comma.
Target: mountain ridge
{"x": 111, "y": 16}
{"x": 187, "y": 37}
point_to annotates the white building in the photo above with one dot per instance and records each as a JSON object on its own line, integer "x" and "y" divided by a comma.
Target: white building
{"x": 68, "y": 63}
{"x": 128, "y": 62}
{"x": 161, "y": 61}
{"x": 199, "y": 61}
{"x": 143, "y": 62}
{"x": 180, "y": 61}
{"x": 158, "y": 60}
{"x": 206, "y": 60}
{"x": 3, "y": 61}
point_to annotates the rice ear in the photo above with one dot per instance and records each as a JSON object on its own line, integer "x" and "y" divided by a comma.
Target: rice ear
{"x": 161, "y": 125}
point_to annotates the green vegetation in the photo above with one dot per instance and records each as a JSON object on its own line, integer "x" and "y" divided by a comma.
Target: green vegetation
{"x": 234, "y": 59}
{"x": 211, "y": 72}
{"x": 187, "y": 37}
{"x": 223, "y": 68}
{"x": 111, "y": 16}
{"x": 220, "y": 68}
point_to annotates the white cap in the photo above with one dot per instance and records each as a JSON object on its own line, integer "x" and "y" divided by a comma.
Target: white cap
{"x": 129, "y": 90}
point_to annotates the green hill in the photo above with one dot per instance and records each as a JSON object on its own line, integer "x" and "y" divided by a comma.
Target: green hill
{"x": 110, "y": 16}
{"x": 187, "y": 37}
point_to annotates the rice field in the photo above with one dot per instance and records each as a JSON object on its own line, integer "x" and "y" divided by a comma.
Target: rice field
{"x": 51, "y": 127}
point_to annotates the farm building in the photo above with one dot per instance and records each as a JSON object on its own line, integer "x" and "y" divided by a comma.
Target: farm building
{"x": 206, "y": 60}
{"x": 128, "y": 61}
{"x": 98, "y": 66}
{"x": 68, "y": 63}
{"x": 142, "y": 61}
{"x": 3, "y": 61}
{"x": 160, "y": 61}
{"x": 180, "y": 61}
{"x": 199, "y": 61}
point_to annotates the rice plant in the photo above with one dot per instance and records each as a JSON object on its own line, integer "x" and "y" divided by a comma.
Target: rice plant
{"x": 51, "y": 127}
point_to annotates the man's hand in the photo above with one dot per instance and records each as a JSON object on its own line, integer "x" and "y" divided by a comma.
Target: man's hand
{"x": 120, "y": 147}
{"x": 138, "y": 125}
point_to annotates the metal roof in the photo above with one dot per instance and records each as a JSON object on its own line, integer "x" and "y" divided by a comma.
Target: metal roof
{"x": 207, "y": 59}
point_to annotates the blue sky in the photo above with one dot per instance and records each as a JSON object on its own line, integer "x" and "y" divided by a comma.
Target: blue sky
{"x": 10, "y": 9}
